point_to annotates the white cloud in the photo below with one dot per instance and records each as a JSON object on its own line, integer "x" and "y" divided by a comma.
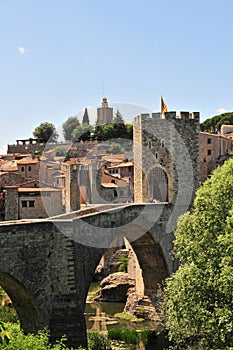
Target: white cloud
{"x": 221, "y": 110}
{"x": 21, "y": 50}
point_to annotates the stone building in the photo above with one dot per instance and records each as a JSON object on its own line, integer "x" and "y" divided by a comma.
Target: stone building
{"x": 214, "y": 150}
{"x": 28, "y": 168}
{"x": 26, "y": 146}
{"x": 32, "y": 203}
{"x": 104, "y": 113}
{"x": 166, "y": 154}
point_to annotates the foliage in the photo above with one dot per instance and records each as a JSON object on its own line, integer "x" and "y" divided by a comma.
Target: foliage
{"x": 214, "y": 124}
{"x": 104, "y": 132}
{"x": 46, "y": 132}
{"x": 198, "y": 297}
{"x": 116, "y": 148}
{"x": 129, "y": 336}
{"x": 97, "y": 341}
{"x": 86, "y": 117}
{"x": 8, "y": 314}
{"x": 2, "y": 293}
{"x": 127, "y": 317}
{"x": 69, "y": 126}
{"x": 12, "y": 338}
{"x": 123, "y": 264}
{"x": 118, "y": 119}
{"x": 60, "y": 152}
{"x": 82, "y": 132}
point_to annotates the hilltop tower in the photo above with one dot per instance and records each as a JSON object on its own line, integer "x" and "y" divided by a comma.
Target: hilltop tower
{"x": 104, "y": 113}
{"x": 166, "y": 157}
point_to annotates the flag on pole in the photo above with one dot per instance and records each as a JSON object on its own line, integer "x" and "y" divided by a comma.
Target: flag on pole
{"x": 163, "y": 106}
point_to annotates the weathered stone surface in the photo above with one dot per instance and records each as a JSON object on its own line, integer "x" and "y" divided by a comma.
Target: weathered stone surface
{"x": 115, "y": 287}
{"x": 141, "y": 307}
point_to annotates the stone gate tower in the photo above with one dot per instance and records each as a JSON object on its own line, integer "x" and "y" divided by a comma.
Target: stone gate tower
{"x": 166, "y": 157}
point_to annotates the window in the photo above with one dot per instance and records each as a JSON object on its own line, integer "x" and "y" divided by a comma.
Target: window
{"x": 149, "y": 144}
{"x": 24, "y": 204}
{"x": 22, "y": 168}
{"x": 209, "y": 152}
{"x": 209, "y": 141}
{"x": 29, "y": 168}
{"x": 31, "y": 204}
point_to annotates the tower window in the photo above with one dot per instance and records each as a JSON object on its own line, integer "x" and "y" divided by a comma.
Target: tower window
{"x": 209, "y": 141}
{"x": 29, "y": 168}
{"x": 209, "y": 152}
{"x": 31, "y": 204}
{"x": 24, "y": 204}
{"x": 22, "y": 168}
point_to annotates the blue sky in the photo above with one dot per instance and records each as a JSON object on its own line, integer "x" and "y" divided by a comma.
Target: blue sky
{"x": 56, "y": 57}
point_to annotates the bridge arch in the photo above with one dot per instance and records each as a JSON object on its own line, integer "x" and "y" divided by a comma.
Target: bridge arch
{"x": 151, "y": 264}
{"x": 26, "y": 306}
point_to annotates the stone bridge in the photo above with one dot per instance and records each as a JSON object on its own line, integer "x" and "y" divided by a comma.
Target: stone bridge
{"x": 46, "y": 266}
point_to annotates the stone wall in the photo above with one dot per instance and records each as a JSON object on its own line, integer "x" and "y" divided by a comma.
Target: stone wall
{"x": 172, "y": 144}
{"x": 11, "y": 203}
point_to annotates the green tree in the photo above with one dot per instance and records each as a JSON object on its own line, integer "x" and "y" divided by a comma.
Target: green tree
{"x": 118, "y": 119}
{"x": 86, "y": 117}
{"x": 68, "y": 127}
{"x": 82, "y": 133}
{"x": 123, "y": 264}
{"x": 214, "y": 124}
{"x": 199, "y": 297}
{"x": 116, "y": 148}
{"x": 106, "y": 132}
{"x": 46, "y": 132}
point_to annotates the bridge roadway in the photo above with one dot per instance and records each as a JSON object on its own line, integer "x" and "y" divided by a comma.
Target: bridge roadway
{"x": 46, "y": 266}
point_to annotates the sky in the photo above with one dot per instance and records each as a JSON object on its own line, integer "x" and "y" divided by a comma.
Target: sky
{"x": 59, "y": 56}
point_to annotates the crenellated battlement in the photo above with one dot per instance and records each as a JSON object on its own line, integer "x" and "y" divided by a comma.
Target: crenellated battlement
{"x": 172, "y": 115}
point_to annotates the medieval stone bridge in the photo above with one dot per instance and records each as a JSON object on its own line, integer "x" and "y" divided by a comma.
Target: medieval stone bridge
{"x": 46, "y": 266}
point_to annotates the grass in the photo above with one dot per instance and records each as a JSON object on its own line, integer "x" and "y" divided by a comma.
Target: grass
{"x": 127, "y": 317}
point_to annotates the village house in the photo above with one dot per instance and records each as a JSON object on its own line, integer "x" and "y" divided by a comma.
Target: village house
{"x": 214, "y": 150}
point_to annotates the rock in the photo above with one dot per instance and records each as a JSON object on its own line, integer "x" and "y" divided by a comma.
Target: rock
{"x": 141, "y": 307}
{"x": 115, "y": 287}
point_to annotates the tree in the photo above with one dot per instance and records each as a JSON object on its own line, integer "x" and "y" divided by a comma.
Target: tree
{"x": 68, "y": 127}
{"x": 86, "y": 117}
{"x": 116, "y": 148}
{"x": 104, "y": 132}
{"x": 82, "y": 133}
{"x": 214, "y": 124}
{"x": 118, "y": 119}
{"x": 198, "y": 297}
{"x": 46, "y": 132}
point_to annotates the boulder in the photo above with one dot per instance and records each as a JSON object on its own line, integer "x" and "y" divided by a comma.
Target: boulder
{"x": 115, "y": 287}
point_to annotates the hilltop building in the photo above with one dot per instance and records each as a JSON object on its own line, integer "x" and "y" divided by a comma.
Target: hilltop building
{"x": 104, "y": 113}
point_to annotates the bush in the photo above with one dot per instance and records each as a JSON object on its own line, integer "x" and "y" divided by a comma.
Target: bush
{"x": 97, "y": 341}
{"x": 12, "y": 338}
{"x": 129, "y": 336}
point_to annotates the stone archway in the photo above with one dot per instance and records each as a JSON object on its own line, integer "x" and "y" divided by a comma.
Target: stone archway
{"x": 148, "y": 266}
{"x": 158, "y": 184}
{"x": 28, "y": 310}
